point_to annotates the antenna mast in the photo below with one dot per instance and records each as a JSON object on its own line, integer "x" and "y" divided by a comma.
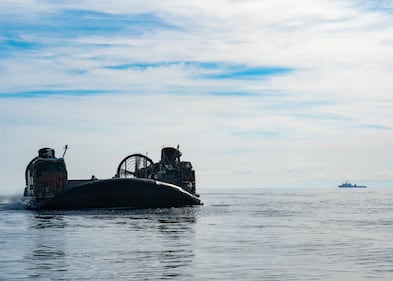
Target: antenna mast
{"x": 65, "y": 150}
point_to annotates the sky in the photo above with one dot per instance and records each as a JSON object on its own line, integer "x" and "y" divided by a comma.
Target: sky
{"x": 258, "y": 94}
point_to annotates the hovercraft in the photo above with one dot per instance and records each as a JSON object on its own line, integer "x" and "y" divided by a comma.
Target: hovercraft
{"x": 138, "y": 183}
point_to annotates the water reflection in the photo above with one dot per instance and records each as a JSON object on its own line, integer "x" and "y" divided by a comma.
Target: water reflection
{"x": 146, "y": 244}
{"x": 178, "y": 259}
{"x": 47, "y": 254}
{"x": 167, "y": 240}
{"x": 47, "y": 220}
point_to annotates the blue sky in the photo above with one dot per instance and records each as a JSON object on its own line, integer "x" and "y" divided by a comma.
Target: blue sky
{"x": 257, "y": 93}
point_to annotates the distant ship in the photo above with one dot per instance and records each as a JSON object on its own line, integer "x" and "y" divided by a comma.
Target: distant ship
{"x": 138, "y": 183}
{"x": 349, "y": 185}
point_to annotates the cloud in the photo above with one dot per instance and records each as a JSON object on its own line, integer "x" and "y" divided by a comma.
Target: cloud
{"x": 211, "y": 70}
{"x": 251, "y": 90}
{"x": 40, "y": 93}
{"x": 378, "y": 5}
{"x": 378, "y": 127}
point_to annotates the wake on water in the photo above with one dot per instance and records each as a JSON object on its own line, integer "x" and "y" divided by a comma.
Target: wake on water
{"x": 10, "y": 202}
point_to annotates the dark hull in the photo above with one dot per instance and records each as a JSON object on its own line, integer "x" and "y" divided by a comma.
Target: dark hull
{"x": 360, "y": 186}
{"x": 116, "y": 193}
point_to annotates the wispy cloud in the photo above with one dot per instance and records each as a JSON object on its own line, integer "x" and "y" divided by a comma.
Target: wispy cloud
{"x": 241, "y": 72}
{"x": 212, "y": 70}
{"x": 43, "y": 93}
{"x": 376, "y": 5}
{"x": 70, "y": 23}
{"x": 378, "y": 127}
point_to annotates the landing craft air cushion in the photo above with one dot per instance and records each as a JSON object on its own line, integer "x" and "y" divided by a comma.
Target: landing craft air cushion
{"x": 138, "y": 183}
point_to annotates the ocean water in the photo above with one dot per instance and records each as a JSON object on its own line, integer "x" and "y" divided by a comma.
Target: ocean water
{"x": 243, "y": 234}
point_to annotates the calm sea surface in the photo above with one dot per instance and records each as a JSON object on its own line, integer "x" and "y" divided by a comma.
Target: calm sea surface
{"x": 265, "y": 234}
